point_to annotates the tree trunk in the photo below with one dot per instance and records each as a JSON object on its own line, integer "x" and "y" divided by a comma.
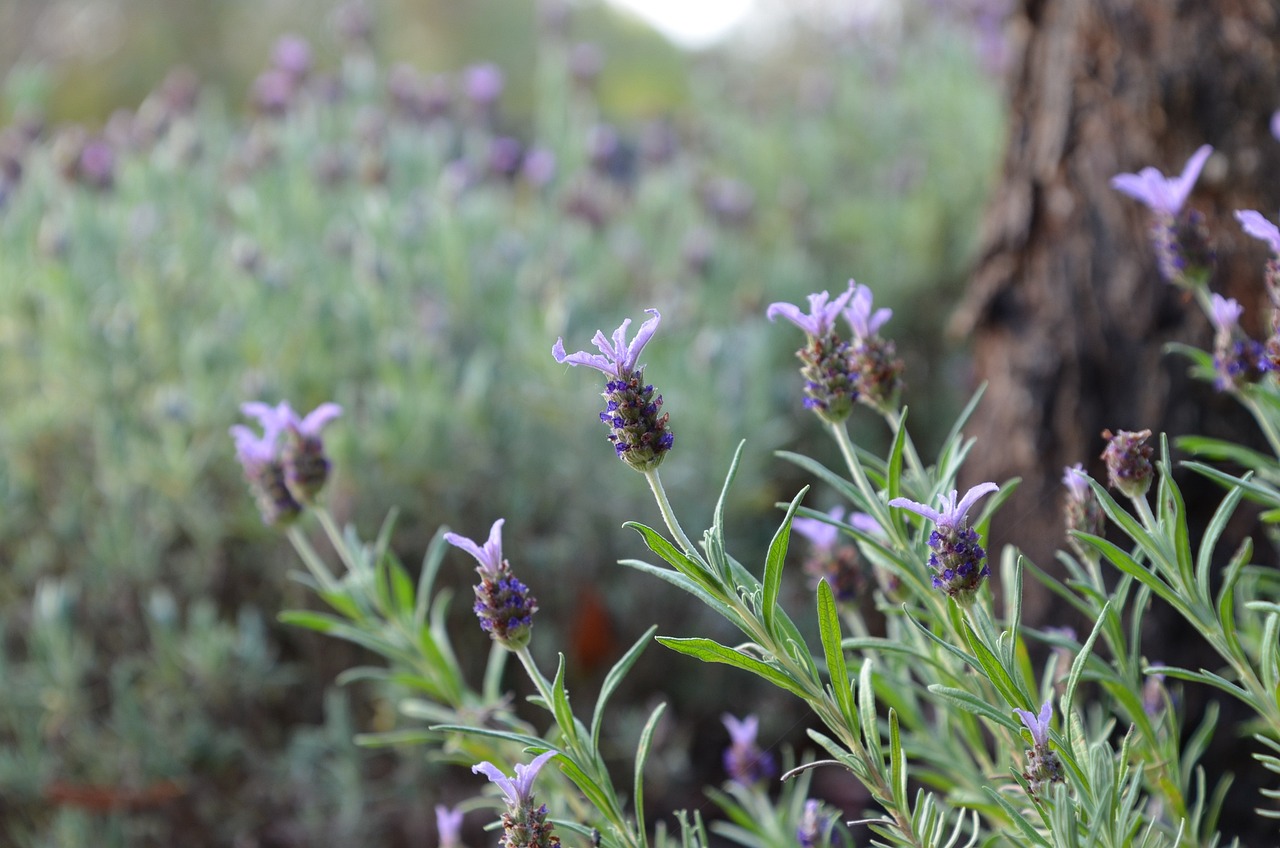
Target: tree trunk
{"x": 1066, "y": 310}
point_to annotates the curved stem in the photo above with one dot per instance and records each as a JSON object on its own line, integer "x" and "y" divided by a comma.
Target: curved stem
{"x": 668, "y": 514}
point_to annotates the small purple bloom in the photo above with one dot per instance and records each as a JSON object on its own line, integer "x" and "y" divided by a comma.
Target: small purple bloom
{"x": 483, "y": 83}
{"x": 1163, "y": 195}
{"x": 313, "y": 422}
{"x": 1076, "y": 480}
{"x": 292, "y": 55}
{"x": 743, "y": 759}
{"x": 1275, "y": 125}
{"x": 1259, "y": 227}
{"x": 619, "y": 358}
{"x": 821, "y": 534}
{"x": 251, "y": 449}
{"x": 449, "y": 826}
{"x": 813, "y": 826}
{"x": 539, "y": 166}
{"x": 864, "y": 322}
{"x": 518, "y": 790}
{"x": 953, "y": 513}
{"x": 1226, "y": 313}
{"x": 1038, "y": 724}
{"x": 822, "y": 314}
{"x": 490, "y": 555}
{"x": 1128, "y": 459}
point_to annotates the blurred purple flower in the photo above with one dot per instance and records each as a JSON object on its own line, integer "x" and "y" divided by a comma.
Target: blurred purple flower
{"x": 1076, "y": 480}
{"x": 1163, "y": 195}
{"x": 1225, "y": 314}
{"x": 539, "y": 167}
{"x": 449, "y": 826}
{"x": 1275, "y": 125}
{"x": 1259, "y": 227}
{"x": 745, "y": 762}
{"x": 292, "y": 55}
{"x": 864, "y": 322}
{"x": 97, "y": 166}
{"x": 822, "y": 312}
{"x": 483, "y": 83}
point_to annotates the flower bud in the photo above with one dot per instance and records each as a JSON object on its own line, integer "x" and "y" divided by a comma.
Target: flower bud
{"x": 1128, "y": 459}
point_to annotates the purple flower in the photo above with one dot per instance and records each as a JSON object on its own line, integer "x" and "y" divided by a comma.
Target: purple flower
{"x": 743, "y": 759}
{"x": 639, "y": 433}
{"x": 821, "y": 534}
{"x": 864, "y": 322}
{"x": 1259, "y": 227}
{"x": 313, "y": 422}
{"x": 958, "y": 561}
{"x": 449, "y": 826}
{"x": 813, "y": 826}
{"x": 292, "y": 55}
{"x": 251, "y": 449}
{"x": 953, "y": 513}
{"x": 1225, "y": 314}
{"x": 539, "y": 166}
{"x": 1076, "y": 480}
{"x": 1038, "y": 724}
{"x": 518, "y": 790}
{"x": 490, "y": 555}
{"x": 822, "y": 314}
{"x": 1163, "y": 195}
{"x": 1275, "y": 125}
{"x": 1128, "y": 459}
{"x": 264, "y": 466}
{"x": 619, "y": 358}
{"x": 483, "y": 83}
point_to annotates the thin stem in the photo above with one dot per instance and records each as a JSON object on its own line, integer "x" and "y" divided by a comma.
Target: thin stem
{"x": 336, "y": 539}
{"x": 841, "y": 434}
{"x": 894, "y": 420}
{"x": 311, "y": 559}
{"x": 668, "y": 514}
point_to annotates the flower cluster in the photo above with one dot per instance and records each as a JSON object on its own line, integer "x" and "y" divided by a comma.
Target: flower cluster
{"x": 959, "y": 563}
{"x": 838, "y": 372}
{"x": 1128, "y": 459}
{"x": 503, "y": 604}
{"x": 639, "y": 434}
{"x": 1178, "y": 234}
{"x": 524, "y": 825}
{"x": 744, "y": 761}
{"x": 1043, "y": 765}
{"x": 284, "y": 477}
{"x": 1262, "y": 229}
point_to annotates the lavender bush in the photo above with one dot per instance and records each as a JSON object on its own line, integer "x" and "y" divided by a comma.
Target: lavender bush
{"x": 963, "y": 724}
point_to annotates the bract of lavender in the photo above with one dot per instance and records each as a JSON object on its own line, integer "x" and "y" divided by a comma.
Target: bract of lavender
{"x": 949, "y": 697}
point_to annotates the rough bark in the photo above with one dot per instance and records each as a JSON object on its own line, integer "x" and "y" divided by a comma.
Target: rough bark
{"x": 1066, "y": 310}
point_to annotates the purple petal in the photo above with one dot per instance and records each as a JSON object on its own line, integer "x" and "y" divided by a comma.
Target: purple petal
{"x": 1259, "y": 227}
{"x": 317, "y": 418}
{"x": 1275, "y": 125}
{"x": 792, "y": 313}
{"x": 647, "y": 329}
{"x": 969, "y": 499}
{"x": 582, "y": 357}
{"x": 489, "y": 556}
{"x": 506, "y": 784}
{"x": 1180, "y": 188}
{"x": 526, "y": 774}
{"x": 865, "y": 523}
{"x": 1226, "y": 313}
{"x": 448, "y": 824}
{"x": 742, "y": 731}
{"x": 1147, "y": 186}
{"x": 918, "y": 508}
{"x": 1076, "y": 481}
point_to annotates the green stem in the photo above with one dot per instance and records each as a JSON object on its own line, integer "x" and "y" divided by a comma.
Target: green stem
{"x": 312, "y": 560}
{"x": 336, "y": 539}
{"x": 894, "y": 420}
{"x": 668, "y": 514}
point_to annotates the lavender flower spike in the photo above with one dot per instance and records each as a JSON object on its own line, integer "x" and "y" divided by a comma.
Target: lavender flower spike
{"x": 952, "y": 514}
{"x": 264, "y": 469}
{"x": 518, "y": 790}
{"x": 619, "y": 358}
{"x": 1038, "y": 724}
{"x": 490, "y": 555}
{"x": 821, "y": 319}
{"x": 1163, "y": 195}
{"x": 1076, "y": 481}
{"x": 743, "y": 759}
{"x": 305, "y": 463}
{"x": 639, "y": 433}
{"x": 958, "y": 561}
{"x": 1259, "y": 227}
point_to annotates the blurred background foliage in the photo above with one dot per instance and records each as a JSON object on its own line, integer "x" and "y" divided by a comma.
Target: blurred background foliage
{"x": 374, "y": 231}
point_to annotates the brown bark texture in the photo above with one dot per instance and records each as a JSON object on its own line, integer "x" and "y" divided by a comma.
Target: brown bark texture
{"x": 1066, "y": 310}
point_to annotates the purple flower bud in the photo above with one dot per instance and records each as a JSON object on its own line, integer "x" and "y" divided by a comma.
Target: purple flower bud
{"x": 1275, "y": 125}
{"x": 449, "y": 826}
{"x": 504, "y": 156}
{"x": 814, "y": 827}
{"x": 1082, "y": 512}
{"x": 872, "y": 359}
{"x": 586, "y": 60}
{"x": 273, "y": 92}
{"x": 1259, "y": 227}
{"x": 1128, "y": 459}
{"x": 97, "y": 164}
{"x": 305, "y": 462}
{"x": 539, "y": 167}
{"x": 264, "y": 470}
{"x": 830, "y": 381}
{"x": 1237, "y": 359}
{"x": 1043, "y": 765}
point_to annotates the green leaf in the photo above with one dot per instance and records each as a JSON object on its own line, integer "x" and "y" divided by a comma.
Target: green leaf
{"x": 1126, "y": 563}
{"x": 431, "y": 562}
{"x": 867, "y": 712}
{"x": 692, "y": 568}
{"x": 614, "y": 677}
{"x": 829, "y": 630}
{"x": 710, "y": 651}
{"x": 971, "y": 703}
{"x": 642, "y": 755}
{"x": 560, "y": 706}
{"x": 994, "y": 671}
{"x": 897, "y": 763}
{"x": 683, "y": 582}
{"x": 773, "y": 566}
